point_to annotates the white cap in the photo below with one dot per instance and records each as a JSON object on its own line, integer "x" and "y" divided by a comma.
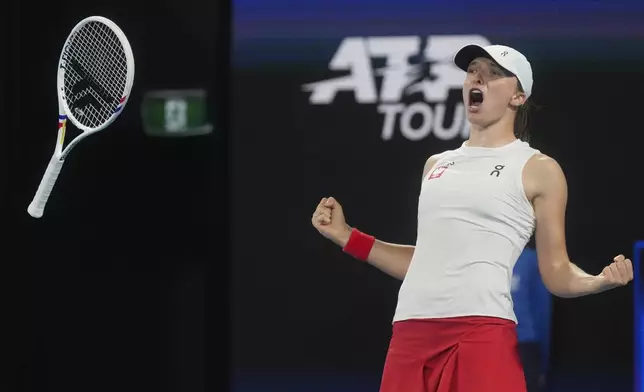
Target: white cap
{"x": 510, "y": 59}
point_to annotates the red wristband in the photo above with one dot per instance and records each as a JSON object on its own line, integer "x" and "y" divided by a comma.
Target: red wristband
{"x": 359, "y": 245}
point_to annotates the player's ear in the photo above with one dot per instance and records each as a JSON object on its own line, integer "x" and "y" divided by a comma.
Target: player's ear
{"x": 518, "y": 99}
{"x": 519, "y": 96}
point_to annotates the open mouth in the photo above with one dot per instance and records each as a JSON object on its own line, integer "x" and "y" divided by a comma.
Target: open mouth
{"x": 476, "y": 97}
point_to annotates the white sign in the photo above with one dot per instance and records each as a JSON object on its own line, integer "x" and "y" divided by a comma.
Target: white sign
{"x": 430, "y": 78}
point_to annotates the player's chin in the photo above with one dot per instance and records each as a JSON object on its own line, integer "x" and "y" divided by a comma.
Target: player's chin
{"x": 475, "y": 116}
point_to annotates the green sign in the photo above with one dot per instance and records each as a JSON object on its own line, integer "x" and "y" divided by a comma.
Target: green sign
{"x": 175, "y": 113}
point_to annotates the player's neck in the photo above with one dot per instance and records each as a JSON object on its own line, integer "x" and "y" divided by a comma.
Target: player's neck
{"x": 497, "y": 134}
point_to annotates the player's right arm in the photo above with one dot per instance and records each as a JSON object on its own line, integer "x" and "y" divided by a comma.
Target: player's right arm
{"x": 392, "y": 259}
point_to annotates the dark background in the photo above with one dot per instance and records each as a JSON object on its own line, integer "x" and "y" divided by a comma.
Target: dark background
{"x": 108, "y": 290}
{"x": 122, "y": 285}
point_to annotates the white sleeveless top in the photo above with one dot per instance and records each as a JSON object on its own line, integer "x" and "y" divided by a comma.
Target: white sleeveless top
{"x": 474, "y": 220}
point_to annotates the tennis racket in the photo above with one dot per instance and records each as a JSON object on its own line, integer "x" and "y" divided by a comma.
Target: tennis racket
{"x": 95, "y": 76}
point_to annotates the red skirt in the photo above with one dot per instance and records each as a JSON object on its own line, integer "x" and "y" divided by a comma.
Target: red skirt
{"x": 460, "y": 354}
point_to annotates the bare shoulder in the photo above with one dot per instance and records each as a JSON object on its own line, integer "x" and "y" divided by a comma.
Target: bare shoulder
{"x": 543, "y": 174}
{"x": 542, "y": 165}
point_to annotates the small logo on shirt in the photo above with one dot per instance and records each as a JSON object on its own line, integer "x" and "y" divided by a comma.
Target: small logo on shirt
{"x": 497, "y": 170}
{"x": 439, "y": 170}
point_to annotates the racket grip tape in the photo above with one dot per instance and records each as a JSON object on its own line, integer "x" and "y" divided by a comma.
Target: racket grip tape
{"x": 37, "y": 206}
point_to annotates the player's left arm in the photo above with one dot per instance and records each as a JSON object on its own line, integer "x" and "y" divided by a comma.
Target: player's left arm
{"x": 547, "y": 186}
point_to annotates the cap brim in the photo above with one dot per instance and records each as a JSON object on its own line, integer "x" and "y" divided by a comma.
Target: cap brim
{"x": 466, "y": 54}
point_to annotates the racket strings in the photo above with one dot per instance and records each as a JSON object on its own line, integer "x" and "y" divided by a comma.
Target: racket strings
{"x": 95, "y": 73}
{"x": 108, "y": 54}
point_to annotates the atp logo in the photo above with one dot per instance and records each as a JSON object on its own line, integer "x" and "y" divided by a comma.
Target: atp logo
{"x": 417, "y": 89}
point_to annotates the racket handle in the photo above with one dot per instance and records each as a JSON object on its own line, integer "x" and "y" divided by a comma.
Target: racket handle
{"x": 37, "y": 206}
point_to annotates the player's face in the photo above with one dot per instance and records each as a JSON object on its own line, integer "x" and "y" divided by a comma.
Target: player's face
{"x": 489, "y": 92}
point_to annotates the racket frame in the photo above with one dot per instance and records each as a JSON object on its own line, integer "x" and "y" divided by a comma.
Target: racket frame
{"x": 63, "y": 107}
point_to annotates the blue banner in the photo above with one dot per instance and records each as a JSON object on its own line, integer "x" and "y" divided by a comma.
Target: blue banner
{"x": 284, "y": 31}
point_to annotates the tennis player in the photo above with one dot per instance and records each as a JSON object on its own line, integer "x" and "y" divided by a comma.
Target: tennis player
{"x": 454, "y": 324}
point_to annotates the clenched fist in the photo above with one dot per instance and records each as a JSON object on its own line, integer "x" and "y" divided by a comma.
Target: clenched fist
{"x": 328, "y": 219}
{"x": 618, "y": 273}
